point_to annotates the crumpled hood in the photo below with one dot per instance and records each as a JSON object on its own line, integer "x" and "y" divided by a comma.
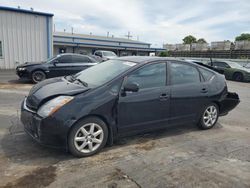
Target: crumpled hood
{"x": 51, "y": 88}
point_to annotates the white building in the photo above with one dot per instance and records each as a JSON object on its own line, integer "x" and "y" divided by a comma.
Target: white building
{"x": 25, "y": 35}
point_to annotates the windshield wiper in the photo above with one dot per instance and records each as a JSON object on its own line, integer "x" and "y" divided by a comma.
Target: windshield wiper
{"x": 82, "y": 82}
{"x": 72, "y": 78}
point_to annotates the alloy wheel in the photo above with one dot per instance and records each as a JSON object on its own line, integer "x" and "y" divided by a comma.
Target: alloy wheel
{"x": 88, "y": 138}
{"x": 210, "y": 116}
{"x": 38, "y": 76}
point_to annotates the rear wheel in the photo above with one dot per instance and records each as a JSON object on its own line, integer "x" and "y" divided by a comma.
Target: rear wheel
{"x": 87, "y": 137}
{"x": 238, "y": 77}
{"x": 209, "y": 116}
{"x": 38, "y": 76}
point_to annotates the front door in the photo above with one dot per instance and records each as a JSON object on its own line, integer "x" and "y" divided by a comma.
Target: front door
{"x": 61, "y": 66}
{"x": 149, "y": 107}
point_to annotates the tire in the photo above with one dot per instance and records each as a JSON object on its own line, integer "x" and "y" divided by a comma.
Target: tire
{"x": 209, "y": 116}
{"x": 38, "y": 76}
{"x": 238, "y": 77}
{"x": 81, "y": 139}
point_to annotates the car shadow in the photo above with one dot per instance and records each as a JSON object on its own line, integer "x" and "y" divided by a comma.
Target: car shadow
{"x": 20, "y": 148}
{"x": 172, "y": 131}
{"x": 20, "y": 81}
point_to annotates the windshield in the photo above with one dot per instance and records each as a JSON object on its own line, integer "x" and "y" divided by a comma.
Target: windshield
{"x": 103, "y": 72}
{"x": 234, "y": 65}
{"x": 109, "y": 54}
{"x": 52, "y": 58}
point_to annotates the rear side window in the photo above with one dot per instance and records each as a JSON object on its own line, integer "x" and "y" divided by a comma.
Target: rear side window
{"x": 184, "y": 74}
{"x": 80, "y": 59}
{"x": 207, "y": 75}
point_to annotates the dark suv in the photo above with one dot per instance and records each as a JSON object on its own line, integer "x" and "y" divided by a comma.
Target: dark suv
{"x": 60, "y": 65}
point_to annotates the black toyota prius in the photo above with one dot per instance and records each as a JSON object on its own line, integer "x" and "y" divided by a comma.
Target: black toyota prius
{"x": 83, "y": 112}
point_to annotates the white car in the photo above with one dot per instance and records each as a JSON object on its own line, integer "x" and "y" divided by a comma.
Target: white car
{"x": 105, "y": 55}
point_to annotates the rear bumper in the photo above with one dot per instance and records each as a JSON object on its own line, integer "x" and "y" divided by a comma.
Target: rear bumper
{"x": 229, "y": 103}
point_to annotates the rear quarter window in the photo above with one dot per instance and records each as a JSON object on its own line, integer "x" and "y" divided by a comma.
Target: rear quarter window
{"x": 207, "y": 75}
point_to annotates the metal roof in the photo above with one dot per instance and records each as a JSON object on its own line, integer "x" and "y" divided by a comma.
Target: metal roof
{"x": 143, "y": 59}
{"x": 25, "y": 11}
{"x": 97, "y": 38}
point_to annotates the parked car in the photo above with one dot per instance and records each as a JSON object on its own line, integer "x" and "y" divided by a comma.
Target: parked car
{"x": 232, "y": 70}
{"x": 60, "y": 65}
{"x": 204, "y": 65}
{"x": 105, "y": 55}
{"x": 247, "y": 65}
{"x": 123, "y": 96}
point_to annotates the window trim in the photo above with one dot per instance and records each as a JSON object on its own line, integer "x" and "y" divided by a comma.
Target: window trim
{"x": 142, "y": 66}
{"x": 184, "y": 63}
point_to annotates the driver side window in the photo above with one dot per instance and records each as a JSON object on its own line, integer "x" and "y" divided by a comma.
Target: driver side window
{"x": 65, "y": 59}
{"x": 149, "y": 76}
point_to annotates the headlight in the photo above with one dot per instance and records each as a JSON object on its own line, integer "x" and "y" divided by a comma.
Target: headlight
{"x": 21, "y": 68}
{"x": 53, "y": 105}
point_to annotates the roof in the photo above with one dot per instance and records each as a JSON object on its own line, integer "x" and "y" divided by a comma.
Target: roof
{"x": 143, "y": 59}
{"x": 25, "y": 11}
{"x": 97, "y": 37}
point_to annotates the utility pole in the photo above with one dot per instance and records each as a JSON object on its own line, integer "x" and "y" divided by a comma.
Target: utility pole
{"x": 72, "y": 30}
{"x": 128, "y": 35}
{"x": 108, "y": 34}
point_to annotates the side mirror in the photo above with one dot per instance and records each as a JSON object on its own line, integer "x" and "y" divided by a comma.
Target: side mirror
{"x": 55, "y": 62}
{"x": 132, "y": 87}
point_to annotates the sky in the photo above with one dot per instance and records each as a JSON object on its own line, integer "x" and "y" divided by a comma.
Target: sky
{"x": 153, "y": 21}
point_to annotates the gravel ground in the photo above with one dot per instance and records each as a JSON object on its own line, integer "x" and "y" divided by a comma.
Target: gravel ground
{"x": 181, "y": 156}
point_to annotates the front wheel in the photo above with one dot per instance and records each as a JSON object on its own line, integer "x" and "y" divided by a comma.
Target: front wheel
{"x": 38, "y": 76}
{"x": 87, "y": 137}
{"x": 209, "y": 116}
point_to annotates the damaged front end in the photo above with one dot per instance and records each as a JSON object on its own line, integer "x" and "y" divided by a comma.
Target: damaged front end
{"x": 230, "y": 101}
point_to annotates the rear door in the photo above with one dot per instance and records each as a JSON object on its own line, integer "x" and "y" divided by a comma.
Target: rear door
{"x": 81, "y": 62}
{"x": 187, "y": 92}
{"x": 149, "y": 107}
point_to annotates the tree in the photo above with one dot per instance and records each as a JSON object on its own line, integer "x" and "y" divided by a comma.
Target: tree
{"x": 201, "y": 40}
{"x": 189, "y": 39}
{"x": 164, "y": 54}
{"x": 243, "y": 36}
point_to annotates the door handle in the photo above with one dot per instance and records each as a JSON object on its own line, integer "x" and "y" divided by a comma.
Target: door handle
{"x": 164, "y": 96}
{"x": 204, "y": 90}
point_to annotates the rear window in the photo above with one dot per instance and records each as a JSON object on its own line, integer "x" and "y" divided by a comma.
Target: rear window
{"x": 207, "y": 75}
